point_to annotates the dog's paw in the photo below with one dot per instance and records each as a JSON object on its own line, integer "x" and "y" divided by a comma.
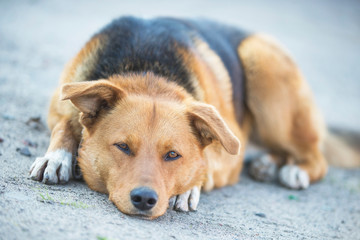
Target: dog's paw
{"x": 187, "y": 201}
{"x": 263, "y": 169}
{"x": 53, "y": 168}
{"x": 294, "y": 177}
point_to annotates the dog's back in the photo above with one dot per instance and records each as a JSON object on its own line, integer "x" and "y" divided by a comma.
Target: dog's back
{"x": 131, "y": 44}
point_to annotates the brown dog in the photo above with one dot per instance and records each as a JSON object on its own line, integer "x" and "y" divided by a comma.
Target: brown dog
{"x": 158, "y": 109}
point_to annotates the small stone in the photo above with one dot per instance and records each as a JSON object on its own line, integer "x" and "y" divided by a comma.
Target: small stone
{"x": 292, "y": 197}
{"x": 36, "y": 119}
{"x": 24, "y": 151}
{"x": 262, "y": 215}
{"x": 1, "y": 140}
{"x": 29, "y": 143}
{"x": 24, "y": 229}
{"x": 36, "y": 123}
{"x": 226, "y": 195}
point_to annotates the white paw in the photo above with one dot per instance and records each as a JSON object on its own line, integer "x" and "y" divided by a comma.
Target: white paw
{"x": 53, "y": 168}
{"x": 294, "y": 177}
{"x": 263, "y": 168}
{"x": 186, "y": 201}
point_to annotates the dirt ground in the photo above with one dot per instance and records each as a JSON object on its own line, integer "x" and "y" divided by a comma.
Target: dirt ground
{"x": 38, "y": 37}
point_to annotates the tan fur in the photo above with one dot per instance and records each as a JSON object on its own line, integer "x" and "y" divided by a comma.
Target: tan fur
{"x": 277, "y": 93}
{"x": 216, "y": 67}
{"x": 78, "y": 68}
{"x": 139, "y": 102}
{"x": 75, "y": 71}
{"x": 213, "y": 79}
{"x": 154, "y": 116}
{"x": 62, "y": 137}
{"x": 339, "y": 154}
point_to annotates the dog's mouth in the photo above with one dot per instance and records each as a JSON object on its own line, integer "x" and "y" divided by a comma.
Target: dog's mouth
{"x": 141, "y": 214}
{"x": 146, "y": 215}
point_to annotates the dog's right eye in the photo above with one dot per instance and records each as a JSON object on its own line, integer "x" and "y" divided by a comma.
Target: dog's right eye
{"x": 123, "y": 147}
{"x": 171, "y": 156}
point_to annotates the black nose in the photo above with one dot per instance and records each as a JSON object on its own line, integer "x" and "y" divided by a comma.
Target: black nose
{"x": 143, "y": 198}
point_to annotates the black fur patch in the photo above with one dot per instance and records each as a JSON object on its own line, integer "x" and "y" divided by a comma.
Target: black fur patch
{"x": 138, "y": 45}
{"x": 224, "y": 40}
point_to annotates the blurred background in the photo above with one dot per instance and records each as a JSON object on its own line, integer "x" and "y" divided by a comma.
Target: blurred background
{"x": 38, "y": 37}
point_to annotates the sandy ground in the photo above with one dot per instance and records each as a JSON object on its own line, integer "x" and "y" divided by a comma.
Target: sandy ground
{"x": 38, "y": 37}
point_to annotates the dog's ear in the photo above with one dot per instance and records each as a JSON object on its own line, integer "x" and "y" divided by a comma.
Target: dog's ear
{"x": 92, "y": 97}
{"x": 209, "y": 126}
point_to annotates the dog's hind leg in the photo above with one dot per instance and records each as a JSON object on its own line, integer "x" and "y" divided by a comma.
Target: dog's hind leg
{"x": 265, "y": 167}
{"x": 285, "y": 117}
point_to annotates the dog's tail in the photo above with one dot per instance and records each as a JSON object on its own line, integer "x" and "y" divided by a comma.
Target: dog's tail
{"x": 342, "y": 148}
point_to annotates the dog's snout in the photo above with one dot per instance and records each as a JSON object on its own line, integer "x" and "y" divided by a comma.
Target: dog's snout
{"x": 143, "y": 198}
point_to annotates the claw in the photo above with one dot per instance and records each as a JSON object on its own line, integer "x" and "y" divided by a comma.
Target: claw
{"x": 55, "y": 167}
{"x": 294, "y": 177}
{"x": 194, "y": 198}
{"x": 187, "y": 201}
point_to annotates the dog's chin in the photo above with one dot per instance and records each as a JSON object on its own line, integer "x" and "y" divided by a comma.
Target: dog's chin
{"x": 144, "y": 216}
{"x": 147, "y": 215}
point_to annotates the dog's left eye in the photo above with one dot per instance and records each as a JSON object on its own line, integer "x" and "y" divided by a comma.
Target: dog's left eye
{"x": 171, "y": 156}
{"x": 123, "y": 147}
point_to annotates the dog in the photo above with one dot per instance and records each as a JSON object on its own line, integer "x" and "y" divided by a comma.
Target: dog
{"x": 157, "y": 110}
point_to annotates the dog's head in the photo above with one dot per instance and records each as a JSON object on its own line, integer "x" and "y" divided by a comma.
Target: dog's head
{"x": 143, "y": 140}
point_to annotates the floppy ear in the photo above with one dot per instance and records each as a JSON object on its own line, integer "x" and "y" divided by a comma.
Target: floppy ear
{"x": 91, "y": 97}
{"x": 209, "y": 126}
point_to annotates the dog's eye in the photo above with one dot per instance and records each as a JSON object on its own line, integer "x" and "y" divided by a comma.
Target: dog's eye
{"x": 172, "y": 155}
{"x": 123, "y": 147}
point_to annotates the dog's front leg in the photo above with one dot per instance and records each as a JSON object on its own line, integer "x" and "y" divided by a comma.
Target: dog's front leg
{"x": 56, "y": 166}
{"x": 187, "y": 201}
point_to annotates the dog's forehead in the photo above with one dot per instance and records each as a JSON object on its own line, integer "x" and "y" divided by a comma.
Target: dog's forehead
{"x": 145, "y": 116}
